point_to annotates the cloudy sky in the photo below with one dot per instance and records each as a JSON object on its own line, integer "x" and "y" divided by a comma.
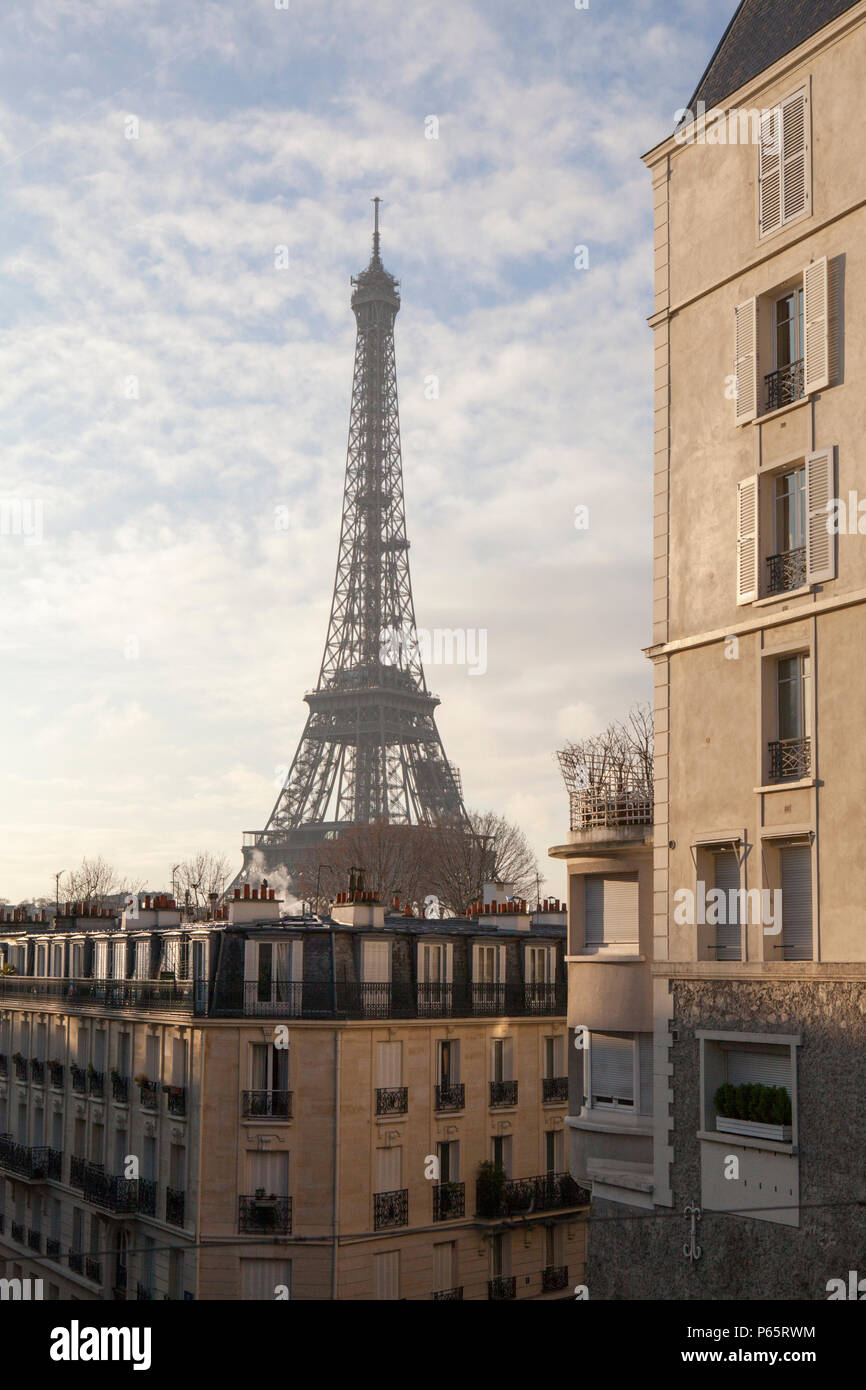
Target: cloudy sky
{"x": 173, "y": 391}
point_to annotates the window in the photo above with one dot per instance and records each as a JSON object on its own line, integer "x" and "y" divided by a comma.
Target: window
{"x": 553, "y": 1145}
{"x": 175, "y": 1273}
{"x": 389, "y": 1169}
{"x": 435, "y": 972}
{"x": 500, "y": 1152}
{"x": 726, "y": 879}
{"x": 611, "y": 910}
{"x": 782, "y": 521}
{"x": 783, "y": 164}
{"x": 790, "y": 756}
{"x": 786, "y": 330}
{"x": 445, "y": 1266}
{"x": 552, "y": 1062}
{"x": 488, "y": 979}
{"x": 118, "y": 960}
{"x": 261, "y": 1280}
{"x": 447, "y": 1063}
{"x": 611, "y": 1069}
{"x": 268, "y": 1172}
{"x": 389, "y": 1065}
{"x": 796, "y": 876}
{"x": 502, "y": 1059}
{"x": 386, "y": 1275}
{"x": 448, "y": 1153}
{"x": 279, "y": 976}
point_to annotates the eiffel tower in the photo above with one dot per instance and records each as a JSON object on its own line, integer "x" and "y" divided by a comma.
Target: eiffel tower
{"x": 370, "y": 750}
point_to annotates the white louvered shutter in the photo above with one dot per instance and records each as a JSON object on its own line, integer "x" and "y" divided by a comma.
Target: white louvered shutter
{"x": 820, "y": 542}
{"x": 389, "y": 1065}
{"x": 816, "y": 368}
{"x": 376, "y": 962}
{"x": 770, "y": 172}
{"x": 389, "y": 1169}
{"x": 443, "y": 1266}
{"x": 747, "y": 540}
{"x": 797, "y": 902}
{"x": 727, "y": 874}
{"x": 260, "y": 1279}
{"x": 611, "y": 1065}
{"x": 386, "y": 1275}
{"x": 746, "y": 360}
{"x": 795, "y": 190}
{"x": 611, "y": 910}
{"x": 746, "y": 1066}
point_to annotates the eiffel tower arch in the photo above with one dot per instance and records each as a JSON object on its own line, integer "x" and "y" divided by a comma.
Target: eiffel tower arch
{"x": 370, "y": 750}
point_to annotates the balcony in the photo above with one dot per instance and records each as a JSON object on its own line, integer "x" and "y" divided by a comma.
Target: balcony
{"x": 52, "y": 1248}
{"x": 120, "y": 1088}
{"x": 393, "y": 999}
{"x": 20, "y": 1066}
{"x": 435, "y": 999}
{"x": 520, "y": 1196}
{"x": 77, "y": 1167}
{"x": 79, "y": 1081}
{"x": 175, "y": 1099}
{"x": 786, "y": 571}
{"x": 392, "y": 1100}
{"x": 449, "y": 1295}
{"x": 390, "y": 1209}
{"x": 553, "y": 1278}
{"x": 610, "y": 808}
{"x": 790, "y": 759}
{"x": 451, "y": 1097}
{"x": 502, "y": 1287}
{"x": 76, "y": 1261}
{"x": 37, "y": 1164}
{"x": 112, "y": 1191}
{"x": 174, "y": 1206}
{"x": 502, "y": 1093}
{"x": 488, "y": 1000}
{"x": 270, "y": 1105}
{"x": 261, "y": 1215}
{"x": 93, "y": 1269}
{"x": 34, "y": 1240}
{"x": 449, "y": 1201}
{"x": 17, "y": 1229}
{"x": 554, "y": 1088}
{"x": 106, "y": 995}
{"x": 146, "y": 1197}
{"x": 97, "y": 1082}
{"x": 784, "y": 386}
{"x": 148, "y": 1095}
{"x": 55, "y": 1075}
{"x": 37, "y": 1071}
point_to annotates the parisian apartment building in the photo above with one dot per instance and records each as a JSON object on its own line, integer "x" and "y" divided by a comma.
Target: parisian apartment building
{"x": 368, "y": 1105}
{"x": 716, "y": 949}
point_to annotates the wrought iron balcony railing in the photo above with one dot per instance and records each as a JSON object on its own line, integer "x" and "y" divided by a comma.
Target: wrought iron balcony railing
{"x": 392, "y": 1100}
{"x": 34, "y": 1240}
{"x": 169, "y": 995}
{"x": 394, "y": 999}
{"x": 112, "y": 1191}
{"x": 450, "y": 1295}
{"x": 55, "y": 1074}
{"x": 435, "y": 999}
{"x": 120, "y": 1088}
{"x": 786, "y": 571}
{"x": 790, "y": 759}
{"x": 93, "y": 1269}
{"x": 449, "y": 1201}
{"x": 52, "y": 1248}
{"x": 554, "y": 1088}
{"x": 390, "y": 1209}
{"x": 77, "y": 1168}
{"x": 271, "y": 1105}
{"x": 785, "y": 385}
{"x": 503, "y": 1093}
{"x": 265, "y": 1215}
{"x": 79, "y": 1080}
{"x": 518, "y": 1196}
{"x": 502, "y": 1287}
{"x": 175, "y": 1099}
{"x": 21, "y": 1068}
{"x": 174, "y": 1206}
{"x": 76, "y": 1261}
{"x": 38, "y": 1163}
{"x": 37, "y": 1071}
{"x": 148, "y": 1093}
{"x": 451, "y": 1097}
{"x": 17, "y": 1229}
{"x": 146, "y": 1197}
{"x": 97, "y": 1082}
{"x": 554, "y": 1277}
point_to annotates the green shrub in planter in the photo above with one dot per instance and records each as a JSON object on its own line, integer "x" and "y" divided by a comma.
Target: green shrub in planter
{"x": 726, "y": 1100}
{"x": 767, "y": 1105}
{"x": 490, "y": 1189}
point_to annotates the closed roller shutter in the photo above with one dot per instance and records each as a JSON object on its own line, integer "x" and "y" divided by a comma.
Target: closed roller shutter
{"x": 612, "y": 1069}
{"x": 746, "y": 1066}
{"x": 728, "y": 930}
{"x": 797, "y": 902}
{"x": 611, "y": 908}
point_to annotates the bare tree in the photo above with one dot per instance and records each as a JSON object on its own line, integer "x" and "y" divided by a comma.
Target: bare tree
{"x": 393, "y": 857}
{"x": 200, "y": 875}
{"x": 95, "y": 881}
{"x": 494, "y": 850}
{"x": 611, "y": 774}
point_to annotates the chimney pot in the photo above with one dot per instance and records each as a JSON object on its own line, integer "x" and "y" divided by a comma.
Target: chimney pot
{"x": 246, "y": 890}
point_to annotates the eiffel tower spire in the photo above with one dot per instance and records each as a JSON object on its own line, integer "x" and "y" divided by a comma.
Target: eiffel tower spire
{"x": 370, "y": 750}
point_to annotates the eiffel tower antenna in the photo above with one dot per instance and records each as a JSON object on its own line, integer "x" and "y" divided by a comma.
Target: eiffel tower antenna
{"x": 370, "y": 750}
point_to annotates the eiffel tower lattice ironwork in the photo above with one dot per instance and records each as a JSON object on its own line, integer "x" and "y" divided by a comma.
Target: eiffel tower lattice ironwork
{"x": 370, "y": 750}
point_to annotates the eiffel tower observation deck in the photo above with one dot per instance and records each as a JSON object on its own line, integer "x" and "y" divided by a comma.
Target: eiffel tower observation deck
{"x": 370, "y": 750}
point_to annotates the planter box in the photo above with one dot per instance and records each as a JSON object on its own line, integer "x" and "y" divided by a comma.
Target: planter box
{"x": 755, "y": 1129}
